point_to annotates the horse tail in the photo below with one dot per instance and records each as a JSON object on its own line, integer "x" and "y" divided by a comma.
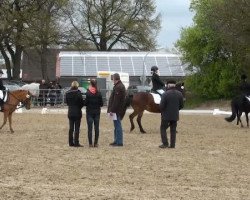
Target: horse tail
{"x": 127, "y": 103}
{"x": 234, "y": 108}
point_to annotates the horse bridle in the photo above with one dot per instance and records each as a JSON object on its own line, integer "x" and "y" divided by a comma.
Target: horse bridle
{"x": 22, "y": 102}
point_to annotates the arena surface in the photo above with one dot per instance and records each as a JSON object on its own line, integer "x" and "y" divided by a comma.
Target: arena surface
{"x": 211, "y": 161}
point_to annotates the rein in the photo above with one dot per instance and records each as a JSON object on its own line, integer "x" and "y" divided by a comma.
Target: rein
{"x": 23, "y": 103}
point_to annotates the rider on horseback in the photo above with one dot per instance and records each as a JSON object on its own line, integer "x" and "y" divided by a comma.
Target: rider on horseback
{"x": 244, "y": 88}
{"x": 158, "y": 84}
{"x": 2, "y": 88}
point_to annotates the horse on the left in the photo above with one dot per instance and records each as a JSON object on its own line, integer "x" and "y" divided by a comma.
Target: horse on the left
{"x": 14, "y": 98}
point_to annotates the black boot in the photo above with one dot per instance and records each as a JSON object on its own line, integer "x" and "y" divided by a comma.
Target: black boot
{"x": 76, "y": 140}
{"x": 71, "y": 139}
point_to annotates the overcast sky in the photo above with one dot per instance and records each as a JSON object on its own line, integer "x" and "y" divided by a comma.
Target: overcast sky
{"x": 175, "y": 15}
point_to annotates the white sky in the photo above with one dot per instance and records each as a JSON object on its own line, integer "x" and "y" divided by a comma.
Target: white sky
{"x": 175, "y": 15}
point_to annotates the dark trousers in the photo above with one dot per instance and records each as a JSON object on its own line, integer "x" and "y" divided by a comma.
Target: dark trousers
{"x": 164, "y": 126}
{"x": 93, "y": 119}
{"x": 74, "y": 129}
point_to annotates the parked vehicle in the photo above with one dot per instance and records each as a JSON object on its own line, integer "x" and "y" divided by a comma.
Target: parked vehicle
{"x": 11, "y": 85}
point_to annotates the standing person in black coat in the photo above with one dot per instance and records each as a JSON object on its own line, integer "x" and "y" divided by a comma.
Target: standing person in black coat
{"x": 43, "y": 92}
{"x": 93, "y": 104}
{"x": 75, "y": 103}
{"x": 171, "y": 103}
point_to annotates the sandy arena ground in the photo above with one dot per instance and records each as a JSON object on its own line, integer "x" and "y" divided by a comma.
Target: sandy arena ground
{"x": 211, "y": 161}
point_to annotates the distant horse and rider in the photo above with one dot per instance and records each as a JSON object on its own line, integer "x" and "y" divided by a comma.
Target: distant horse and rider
{"x": 13, "y": 99}
{"x": 142, "y": 101}
{"x": 241, "y": 103}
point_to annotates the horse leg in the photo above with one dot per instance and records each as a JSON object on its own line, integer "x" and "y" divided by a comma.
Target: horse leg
{"x": 239, "y": 119}
{"x": 4, "y": 119}
{"x": 247, "y": 119}
{"x": 131, "y": 117}
{"x": 10, "y": 123}
{"x": 139, "y": 122}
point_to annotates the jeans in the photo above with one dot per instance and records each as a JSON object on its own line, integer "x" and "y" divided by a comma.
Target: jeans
{"x": 118, "y": 132}
{"x": 164, "y": 126}
{"x": 93, "y": 119}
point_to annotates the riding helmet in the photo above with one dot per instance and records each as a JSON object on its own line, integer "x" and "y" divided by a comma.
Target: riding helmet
{"x": 154, "y": 69}
{"x": 1, "y": 71}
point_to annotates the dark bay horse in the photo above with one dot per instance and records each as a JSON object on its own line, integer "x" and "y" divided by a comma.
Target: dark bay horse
{"x": 239, "y": 106}
{"x": 14, "y": 98}
{"x": 140, "y": 102}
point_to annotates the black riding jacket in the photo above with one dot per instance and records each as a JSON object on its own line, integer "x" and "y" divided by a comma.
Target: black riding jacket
{"x": 245, "y": 88}
{"x": 157, "y": 82}
{"x": 1, "y": 85}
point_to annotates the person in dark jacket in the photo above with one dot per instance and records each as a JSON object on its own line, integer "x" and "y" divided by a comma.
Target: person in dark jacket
{"x": 75, "y": 103}
{"x": 2, "y": 88}
{"x": 171, "y": 103}
{"x": 116, "y": 100}
{"x": 43, "y": 92}
{"x": 158, "y": 84}
{"x": 93, "y": 103}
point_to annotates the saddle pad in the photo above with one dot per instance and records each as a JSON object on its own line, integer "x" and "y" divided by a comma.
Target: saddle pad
{"x": 157, "y": 98}
{"x": 2, "y": 96}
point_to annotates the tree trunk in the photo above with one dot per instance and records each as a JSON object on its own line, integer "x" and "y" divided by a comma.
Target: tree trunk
{"x": 7, "y": 61}
{"x": 17, "y": 62}
{"x": 44, "y": 63}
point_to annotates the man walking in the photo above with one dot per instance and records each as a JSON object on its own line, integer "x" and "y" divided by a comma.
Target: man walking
{"x": 171, "y": 103}
{"x": 116, "y": 100}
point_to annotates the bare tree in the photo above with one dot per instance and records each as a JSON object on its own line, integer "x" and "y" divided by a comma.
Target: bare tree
{"x": 115, "y": 23}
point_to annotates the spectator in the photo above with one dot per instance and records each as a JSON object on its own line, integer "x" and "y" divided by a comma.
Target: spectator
{"x": 43, "y": 92}
{"x": 52, "y": 93}
{"x": 171, "y": 103}
{"x": 93, "y": 104}
{"x": 75, "y": 103}
{"x": 58, "y": 89}
{"x": 117, "y": 99}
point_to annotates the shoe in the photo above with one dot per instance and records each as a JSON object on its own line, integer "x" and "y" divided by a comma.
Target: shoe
{"x": 171, "y": 147}
{"x": 96, "y": 145}
{"x": 78, "y": 145}
{"x": 112, "y": 144}
{"x": 117, "y": 145}
{"x": 71, "y": 145}
{"x": 163, "y": 146}
{"x": 91, "y": 145}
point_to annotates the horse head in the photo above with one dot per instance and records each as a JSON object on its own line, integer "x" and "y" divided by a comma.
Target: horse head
{"x": 24, "y": 97}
